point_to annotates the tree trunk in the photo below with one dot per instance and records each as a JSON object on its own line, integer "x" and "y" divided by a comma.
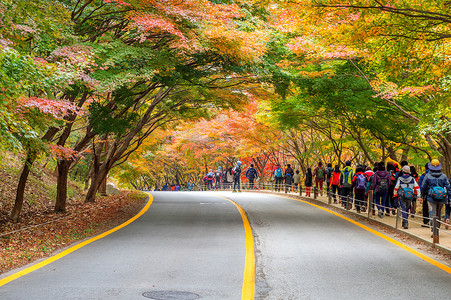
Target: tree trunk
{"x": 91, "y": 194}
{"x": 61, "y": 185}
{"x": 103, "y": 187}
{"x": 445, "y": 150}
{"x": 18, "y": 204}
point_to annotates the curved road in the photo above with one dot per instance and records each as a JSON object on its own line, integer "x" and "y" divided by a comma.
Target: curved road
{"x": 195, "y": 243}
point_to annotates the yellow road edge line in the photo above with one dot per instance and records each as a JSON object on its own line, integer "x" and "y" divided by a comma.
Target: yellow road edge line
{"x": 387, "y": 238}
{"x": 248, "y": 291}
{"x": 76, "y": 247}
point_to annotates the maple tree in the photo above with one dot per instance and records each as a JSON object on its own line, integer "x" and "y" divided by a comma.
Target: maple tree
{"x": 98, "y": 83}
{"x": 395, "y": 47}
{"x": 129, "y": 67}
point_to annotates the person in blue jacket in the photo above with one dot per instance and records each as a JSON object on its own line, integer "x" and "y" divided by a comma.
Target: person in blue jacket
{"x": 436, "y": 189}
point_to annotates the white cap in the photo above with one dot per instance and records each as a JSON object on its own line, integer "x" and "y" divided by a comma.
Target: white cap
{"x": 406, "y": 169}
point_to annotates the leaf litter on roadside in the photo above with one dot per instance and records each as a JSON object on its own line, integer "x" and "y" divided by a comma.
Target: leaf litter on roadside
{"x": 44, "y": 232}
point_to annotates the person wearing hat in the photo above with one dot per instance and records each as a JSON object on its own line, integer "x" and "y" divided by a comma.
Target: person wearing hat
{"x": 405, "y": 189}
{"x": 218, "y": 178}
{"x": 436, "y": 189}
{"x": 236, "y": 171}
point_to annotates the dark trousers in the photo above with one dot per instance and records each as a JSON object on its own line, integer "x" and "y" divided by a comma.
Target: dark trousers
{"x": 334, "y": 192}
{"x": 236, "y": 182}
{"x": 288, "y": 180}
{"x": 210, "y": 184}
{"x": 425, "y": 211}
{"x": 379, "y": 199}
{"x": 405, "y": 207}
{"x": 346, "y": 191}
{"x": 279, "y": 182}
{"x": 251, "y": 183}
{"x": 359, "y": 200}
{"x": 390, "y": 200}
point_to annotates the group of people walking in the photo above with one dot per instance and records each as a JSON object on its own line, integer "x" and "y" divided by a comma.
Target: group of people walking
{"x": 393, "y": 186}
{"x": 229, "y": 178}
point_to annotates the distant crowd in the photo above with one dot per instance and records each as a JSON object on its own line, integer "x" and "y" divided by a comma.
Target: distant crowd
{"x": 229, "y": 178}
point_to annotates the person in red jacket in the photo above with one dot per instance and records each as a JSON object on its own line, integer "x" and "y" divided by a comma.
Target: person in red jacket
{"x": 369, "y": 173}
{"x": 335, "y": 182}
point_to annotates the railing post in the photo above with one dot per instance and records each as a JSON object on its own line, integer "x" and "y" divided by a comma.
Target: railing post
{"x": 329, "y": 198}
{"x": 348, "y": 198}
{"x": 370, "y": 203}
{"x": 315, "y": 193}
{"x": 300, "y": 190}
{"x": 435, "y": 237}
{"x": 397, "y": 218}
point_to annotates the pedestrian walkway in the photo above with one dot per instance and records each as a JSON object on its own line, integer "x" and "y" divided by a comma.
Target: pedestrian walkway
{"x": 415, "y": 229}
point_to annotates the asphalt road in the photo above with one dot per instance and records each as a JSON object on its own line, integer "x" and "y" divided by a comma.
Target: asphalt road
{"x": 195, "y": 243}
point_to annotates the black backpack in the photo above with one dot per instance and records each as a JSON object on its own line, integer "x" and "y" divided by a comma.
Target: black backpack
{"x": 382, "y": 185}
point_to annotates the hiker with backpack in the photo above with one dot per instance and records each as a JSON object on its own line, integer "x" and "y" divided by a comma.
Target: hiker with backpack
{"x": 391, "y": 201}
{"x": 319, "y": 174}
{"x": 359, "y": 184}
{"x": 288, "y": 177}
{"x": 413, "y": 207}
{"x": 236, "y": 171}
{"x": 435, "y": 189}
{"x": 251, "y": 174}
{"x": 296, "y": 180}
{"x": 346, "y": 185}
{"x": 405, "y": 189}
{"x": 308, "y": 182}
{"x": 229, "y": 178}
{"x": 335, "y": 183}
{"x": 278, "y": 176}
{"x": 329, "y": 171}
{"x": 210, "y": 179}
{"x": 380, "y": 185}
{"x": 369, "y": 175}
{"x": 218, "y": 178}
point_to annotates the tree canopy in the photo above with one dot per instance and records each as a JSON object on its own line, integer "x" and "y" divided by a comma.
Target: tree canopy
{"x": 150, "y": 91}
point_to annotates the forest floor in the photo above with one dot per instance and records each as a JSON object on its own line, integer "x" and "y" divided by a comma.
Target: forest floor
{"x": 41, "y": 231}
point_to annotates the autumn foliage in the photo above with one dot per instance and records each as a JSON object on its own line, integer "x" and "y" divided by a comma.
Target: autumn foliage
{"x": 147, "y": 92}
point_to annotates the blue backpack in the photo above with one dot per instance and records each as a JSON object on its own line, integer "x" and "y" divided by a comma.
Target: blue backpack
{"x": 406, "y": 193}
{"x": 437, "y": 193}
{"x": 360, "y": 182}
{"x": 279, "y": 172}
